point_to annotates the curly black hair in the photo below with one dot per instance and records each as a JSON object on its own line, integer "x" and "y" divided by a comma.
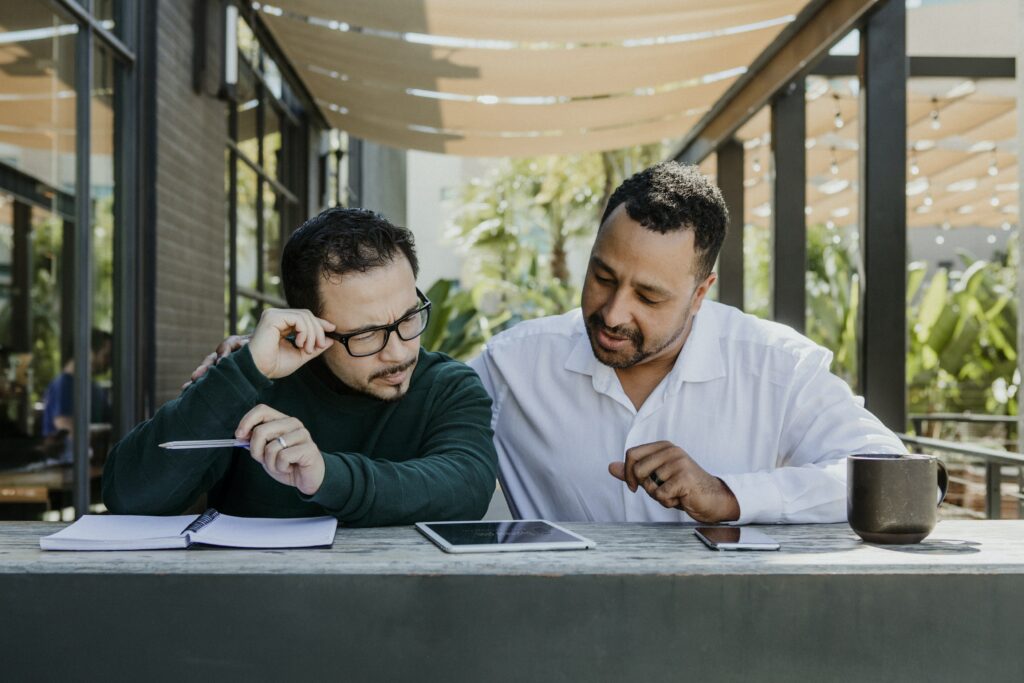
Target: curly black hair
{"x": 336, "y": 242}
{"x": 671, "y": 196}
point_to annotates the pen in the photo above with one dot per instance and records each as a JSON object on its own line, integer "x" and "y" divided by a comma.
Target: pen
{"x": 205, "y": 443}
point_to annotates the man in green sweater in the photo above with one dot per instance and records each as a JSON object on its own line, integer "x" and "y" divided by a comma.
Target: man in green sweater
{"x": 345, "y": 414}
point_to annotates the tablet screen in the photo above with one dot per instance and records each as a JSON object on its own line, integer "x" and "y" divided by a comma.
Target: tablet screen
{"x": 500, "y": 533}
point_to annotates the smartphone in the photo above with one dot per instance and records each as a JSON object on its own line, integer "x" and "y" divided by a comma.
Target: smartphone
{"x": 735, "y": 538}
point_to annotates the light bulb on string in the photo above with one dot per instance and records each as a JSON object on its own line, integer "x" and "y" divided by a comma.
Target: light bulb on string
{"x": 834, "y": 166}
{"x": 914, "y": 168}
{"x": 839, "y": 123}
{"x": 936, "y": 124}
{"x": 993, "y": 168}
{"x": 994, "y": 201}
{"x": 755, "y": 165}
{"x": 927, "y": 201}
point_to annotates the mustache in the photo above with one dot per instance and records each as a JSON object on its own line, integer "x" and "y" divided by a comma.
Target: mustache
{"x": 394, "y": 369}
{"x": 596, "y": 322}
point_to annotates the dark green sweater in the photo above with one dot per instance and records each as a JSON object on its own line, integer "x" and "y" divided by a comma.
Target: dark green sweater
{"x": 428, "y": 456}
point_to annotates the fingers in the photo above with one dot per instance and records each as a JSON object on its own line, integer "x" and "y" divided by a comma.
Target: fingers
{"x": 618, "y": 470}
{"x": 258, "y": 415}
{"x": 278, "y": 457}
{"x": 636, "y": 454}
{"x": 229, "y": 345}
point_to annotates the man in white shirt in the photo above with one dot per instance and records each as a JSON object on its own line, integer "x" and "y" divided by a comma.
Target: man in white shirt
{"x": 651, "y": 404}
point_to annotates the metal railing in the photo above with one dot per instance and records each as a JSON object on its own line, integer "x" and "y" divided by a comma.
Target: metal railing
{"x": 994, "y": 461}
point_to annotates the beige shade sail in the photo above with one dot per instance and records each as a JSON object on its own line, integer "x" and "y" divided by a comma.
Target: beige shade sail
{"x": 538, "y": 21}
{"x": 961, "y": 164}
{"x": 521, "y": 77}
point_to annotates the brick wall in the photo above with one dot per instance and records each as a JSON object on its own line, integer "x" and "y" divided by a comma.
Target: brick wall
{"x": 191, "y": 205}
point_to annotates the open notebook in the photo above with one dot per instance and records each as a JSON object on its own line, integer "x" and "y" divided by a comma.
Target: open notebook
{"x": 144, "y": 532}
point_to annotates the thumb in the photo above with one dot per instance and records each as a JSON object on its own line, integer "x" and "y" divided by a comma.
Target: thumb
{"x": 618, "y": 470}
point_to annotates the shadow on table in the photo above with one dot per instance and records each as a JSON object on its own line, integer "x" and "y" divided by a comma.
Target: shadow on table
{"x": 933, "y": 547}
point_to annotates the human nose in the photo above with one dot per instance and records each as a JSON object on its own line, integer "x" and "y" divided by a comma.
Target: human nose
{"x": 616, "y": 310}
{"x": 393, "y": 350}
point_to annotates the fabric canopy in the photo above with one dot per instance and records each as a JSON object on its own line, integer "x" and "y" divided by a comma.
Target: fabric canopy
{"x": 521, "y": 77}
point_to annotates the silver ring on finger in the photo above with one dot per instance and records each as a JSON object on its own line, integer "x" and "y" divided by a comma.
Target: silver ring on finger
{"x": 280, "y": 440}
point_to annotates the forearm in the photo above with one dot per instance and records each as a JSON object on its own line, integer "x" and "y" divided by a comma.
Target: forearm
{"x": 141, "y": 478}
{"x": 791, "y": 495}
{"x": 361, "y": 491}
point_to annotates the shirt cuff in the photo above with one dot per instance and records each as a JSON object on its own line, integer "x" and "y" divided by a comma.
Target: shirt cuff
{"x": 758, "y": 496}
{"x": 336, "y": 488}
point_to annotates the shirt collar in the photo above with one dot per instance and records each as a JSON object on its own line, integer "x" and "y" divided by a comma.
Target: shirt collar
{"x": 699, "y": 361}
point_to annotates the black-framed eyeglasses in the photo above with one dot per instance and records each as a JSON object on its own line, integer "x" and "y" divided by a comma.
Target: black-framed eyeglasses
{"x": 372, "y": 340}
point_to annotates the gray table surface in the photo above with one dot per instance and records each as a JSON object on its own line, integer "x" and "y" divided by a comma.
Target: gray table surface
{"x": 955, "y": 547}
{"x": 649, "y": 603}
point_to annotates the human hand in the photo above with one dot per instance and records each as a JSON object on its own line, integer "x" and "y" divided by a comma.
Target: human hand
{"x": 274, "y": 354}
{"x": 681, "y": 482}
{"x": 224, "y": 349}
{"x": 284, "y": 447}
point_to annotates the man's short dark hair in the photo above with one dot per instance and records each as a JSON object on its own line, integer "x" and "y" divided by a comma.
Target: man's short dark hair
{"x": 671, "y": 196}
{"x": 336, "y": 242}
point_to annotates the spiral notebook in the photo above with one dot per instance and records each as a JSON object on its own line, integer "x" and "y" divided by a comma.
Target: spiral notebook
{"x": 145, "y": 532}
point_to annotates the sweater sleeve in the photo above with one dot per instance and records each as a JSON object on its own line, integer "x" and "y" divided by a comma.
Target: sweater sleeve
{"x": 141, "y": 478}
{"x": 452, "y": 476}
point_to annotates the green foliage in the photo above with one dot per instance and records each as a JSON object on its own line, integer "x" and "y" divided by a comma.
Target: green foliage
{"x": 961, "y": 348}
{"x": 516, "y": 227}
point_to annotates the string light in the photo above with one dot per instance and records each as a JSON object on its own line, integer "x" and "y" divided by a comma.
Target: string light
{"x": 755, "y": 165}
{"x": 936, "y": 124}
{"x": 834, "y": 166}
{"x": 994, "y": 201}
{"x": 993, "y": 168}
{"x": 927, "y": 201}
{"x": 839, "y": 112}
{"x": 914, "y": 168}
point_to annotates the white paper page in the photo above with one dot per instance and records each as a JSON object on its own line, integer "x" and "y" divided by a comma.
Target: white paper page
{"x": 120, "y": 532}
{"x": 262, "y": 532}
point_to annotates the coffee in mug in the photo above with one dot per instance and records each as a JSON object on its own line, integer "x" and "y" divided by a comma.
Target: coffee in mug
{"x": 894, "y": 498}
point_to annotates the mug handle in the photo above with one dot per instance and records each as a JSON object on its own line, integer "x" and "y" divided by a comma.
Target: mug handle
{"x": 943, "y": 481}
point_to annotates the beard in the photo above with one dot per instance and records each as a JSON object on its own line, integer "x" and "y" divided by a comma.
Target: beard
{"x": 365, "y": 387}
{"x": 621, "y": 360}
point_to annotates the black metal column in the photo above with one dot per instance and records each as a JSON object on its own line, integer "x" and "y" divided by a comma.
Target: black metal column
{"x": 83, "y": 267}
{"x": 21, "y": 279}
{"x": 730, "y": 259}
{"x": 127, "y": 350}
{"x": 789, "y": 164}
{"x": 355, "y": 172}
{"x": 883, "y": 212}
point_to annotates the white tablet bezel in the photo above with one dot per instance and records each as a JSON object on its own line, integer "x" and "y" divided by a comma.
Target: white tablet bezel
{"x": 582, "y": 543}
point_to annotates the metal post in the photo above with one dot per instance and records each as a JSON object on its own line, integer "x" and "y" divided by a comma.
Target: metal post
{"x": 993, "y": 479}
{"x": 355, "y": 173}
{"x": 21, "y": 278}
{"x": 83, "y": 268}
{"x": 883, "y": 212}
{"x": 730, "y": 260}
{"x": 1020, "y": 199}
{"x": 126, "y": 392}
{"x": 789, "y": 172}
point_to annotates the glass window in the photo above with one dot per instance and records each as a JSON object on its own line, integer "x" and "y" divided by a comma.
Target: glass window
{"x": 248, "y": 228}
{"x": 262, "y": 193}
{"x": 37, "y": 94}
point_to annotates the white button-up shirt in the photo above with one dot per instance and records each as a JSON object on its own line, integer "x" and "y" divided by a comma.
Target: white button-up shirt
{"x": 751, "y": 401}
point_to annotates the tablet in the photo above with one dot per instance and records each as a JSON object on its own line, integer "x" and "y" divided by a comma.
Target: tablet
{"x": 504, "y": 536}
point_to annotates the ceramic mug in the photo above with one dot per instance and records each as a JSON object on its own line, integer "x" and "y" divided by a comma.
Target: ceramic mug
{"x": 894, "y": 498}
